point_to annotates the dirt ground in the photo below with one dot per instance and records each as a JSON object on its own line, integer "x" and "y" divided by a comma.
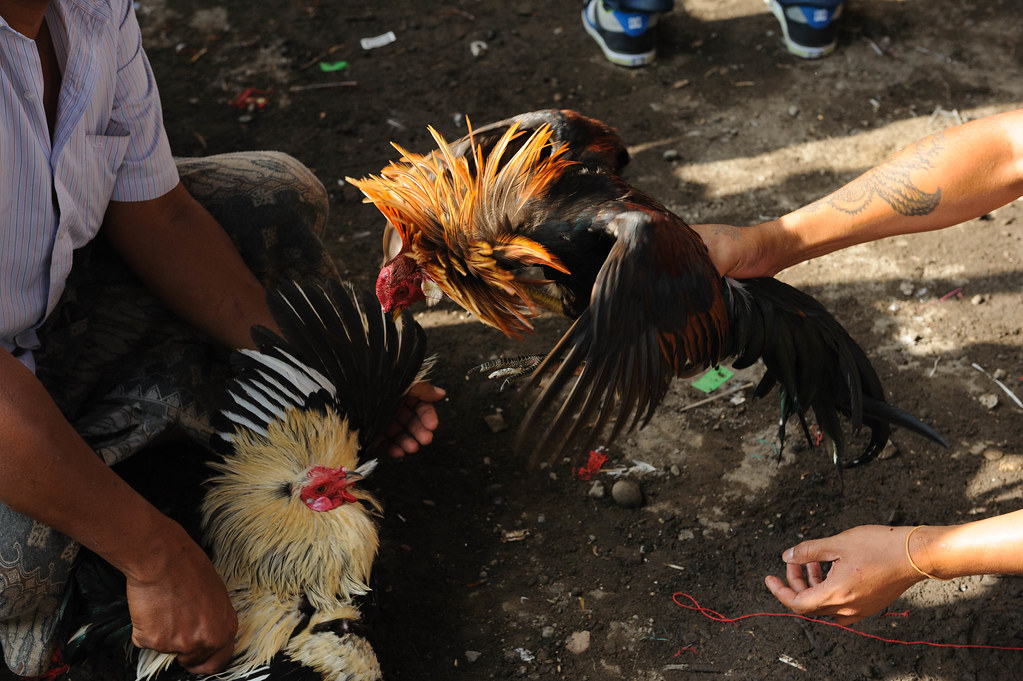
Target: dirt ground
{"x": 492, "y": 570}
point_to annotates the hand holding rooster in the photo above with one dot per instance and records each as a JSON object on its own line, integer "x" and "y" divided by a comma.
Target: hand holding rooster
{"x": 942, "y": 180}
{"x": 415, "y": 423}
{"x": 179, "y": 572}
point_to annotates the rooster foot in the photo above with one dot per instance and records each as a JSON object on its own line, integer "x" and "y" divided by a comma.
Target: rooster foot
{"x": 508, "y": 368}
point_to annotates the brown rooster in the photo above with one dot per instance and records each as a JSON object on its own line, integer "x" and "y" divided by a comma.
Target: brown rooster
{"x": 530, "y": 213}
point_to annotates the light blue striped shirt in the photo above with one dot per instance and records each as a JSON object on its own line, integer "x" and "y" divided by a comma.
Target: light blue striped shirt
{"x": 109, "y": 143}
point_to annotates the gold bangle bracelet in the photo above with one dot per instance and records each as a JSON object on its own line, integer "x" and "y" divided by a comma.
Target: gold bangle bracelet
{"x": 910, "y": 558}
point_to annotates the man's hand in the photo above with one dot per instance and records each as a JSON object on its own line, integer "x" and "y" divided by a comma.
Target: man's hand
{"x": 415, "y": 422}
{"x": 868, "y": 571}
{"x": 738, "y": 252}
{"x": 179, "y": 605}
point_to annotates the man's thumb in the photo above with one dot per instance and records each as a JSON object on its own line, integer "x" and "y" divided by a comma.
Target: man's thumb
{"x": 811, "y": 551}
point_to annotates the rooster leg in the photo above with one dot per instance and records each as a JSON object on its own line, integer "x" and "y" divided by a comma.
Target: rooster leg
{"x": 508, "y": 368}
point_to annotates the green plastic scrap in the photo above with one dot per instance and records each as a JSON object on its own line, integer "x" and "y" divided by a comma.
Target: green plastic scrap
{"x": 713, "y": 379}
{"x": 328, "y": 67}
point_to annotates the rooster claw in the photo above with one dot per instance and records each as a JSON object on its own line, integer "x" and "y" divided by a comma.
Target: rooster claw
{"x": 508, "y": 368}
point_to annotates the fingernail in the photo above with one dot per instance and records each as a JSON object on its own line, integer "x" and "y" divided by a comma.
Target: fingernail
{"x": 789, "y": 553}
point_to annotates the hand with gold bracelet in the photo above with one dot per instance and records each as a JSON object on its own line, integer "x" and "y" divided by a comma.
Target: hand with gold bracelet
{"x": 872, "y": 565}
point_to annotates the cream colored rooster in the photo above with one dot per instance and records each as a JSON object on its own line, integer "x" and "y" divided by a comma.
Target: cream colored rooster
{"x": 284, "y": 520}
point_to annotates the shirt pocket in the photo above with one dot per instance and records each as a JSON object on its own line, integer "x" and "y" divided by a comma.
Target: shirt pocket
{"x": 102, "y": 160}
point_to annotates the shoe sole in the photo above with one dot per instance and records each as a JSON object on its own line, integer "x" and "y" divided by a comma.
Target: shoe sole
{"x": 619, "y": 58}
{"x": 795, "y": 48}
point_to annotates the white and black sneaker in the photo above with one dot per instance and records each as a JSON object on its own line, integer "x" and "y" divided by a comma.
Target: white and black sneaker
{"x": 624, "y": 29}
{"x": 809, "y": 26}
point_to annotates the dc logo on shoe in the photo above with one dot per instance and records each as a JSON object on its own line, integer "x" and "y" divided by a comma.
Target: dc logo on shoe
{"x": 817, "y": 17}
{"x": 632, "y": 23}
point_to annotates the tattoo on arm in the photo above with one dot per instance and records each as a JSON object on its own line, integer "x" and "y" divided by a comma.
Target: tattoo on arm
{"x": 727, "y": 231}
{"x": 892, "y": 183}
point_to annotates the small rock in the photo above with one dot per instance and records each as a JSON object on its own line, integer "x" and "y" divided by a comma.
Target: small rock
{"x": 978, "y": 300}
{"x": 596, "y": 490}
{"x": 989, "y": 401}
{"x": 890, "y": 450}
{"x": 686, "y": 535}
{"x": 627, "y": 494}
{"x": 496, "y": 423}
{"x": 670, "y": 155}
{"x": 793, "y": 110}
{"x": 993, "y": 454}
{"x": 906, "y": 288}
{"x": 675, "y": 470}
{"x": 547, "y": 632}
{"x": 578, "y": 642}
{"x": 472, "y": 655}
{"x": 998, "y": 374}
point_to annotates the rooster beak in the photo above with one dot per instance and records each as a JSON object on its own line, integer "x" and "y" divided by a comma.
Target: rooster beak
{"x": 432, "y": 292}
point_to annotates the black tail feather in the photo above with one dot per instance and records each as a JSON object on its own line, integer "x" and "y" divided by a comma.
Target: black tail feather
{"x": 95, "y": 616}
{"x": 817, "y": 365}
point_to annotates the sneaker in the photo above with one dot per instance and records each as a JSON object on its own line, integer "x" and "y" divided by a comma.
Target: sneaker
{"x": 624, "y": 28}
{"x": 809, "y": 26}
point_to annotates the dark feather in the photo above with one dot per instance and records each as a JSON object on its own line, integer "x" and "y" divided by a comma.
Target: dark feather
{"x": 94, "y": 615}
{"x": 336, "y": 348}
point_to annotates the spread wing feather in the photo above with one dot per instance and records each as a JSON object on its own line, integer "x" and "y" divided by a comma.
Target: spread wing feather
{"x": 335, "y": 348}
{"x": 632, "y": 340}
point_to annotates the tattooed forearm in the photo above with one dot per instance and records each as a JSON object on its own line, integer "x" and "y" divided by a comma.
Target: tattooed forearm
{"x": 892, "y": 182}
{"x": 726, "y": 231}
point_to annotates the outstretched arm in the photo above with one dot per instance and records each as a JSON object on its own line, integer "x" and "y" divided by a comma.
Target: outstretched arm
{"x": 870, "y": 567}
{"x": 941, "y": 180}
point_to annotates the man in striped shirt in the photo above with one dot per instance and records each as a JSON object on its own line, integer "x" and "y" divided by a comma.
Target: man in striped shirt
{"x": 107, "y": 340}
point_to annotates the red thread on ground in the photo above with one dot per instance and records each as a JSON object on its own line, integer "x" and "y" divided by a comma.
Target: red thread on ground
{"x": 592, "y": 467}
{"x": 718, "y": 617}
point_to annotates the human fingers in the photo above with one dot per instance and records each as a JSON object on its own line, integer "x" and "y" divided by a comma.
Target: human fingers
{"x": 814, "y": 573}
{"x": 415, "y": 422}
{"x": 795, "y": 577}
{"x": 411, "y": 429}
{"x": 802, "y": 601}
{"x": 811, "y": 551}
{"x": 423, "y": 422}
{"x": 781, "y": 590}
{"x": 427, "y": 392}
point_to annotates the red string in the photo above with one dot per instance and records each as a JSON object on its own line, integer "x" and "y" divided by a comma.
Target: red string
{"x": 592, "y": 467}
{"x": 57, "y": 668}
{"x": 718, "y": 617}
